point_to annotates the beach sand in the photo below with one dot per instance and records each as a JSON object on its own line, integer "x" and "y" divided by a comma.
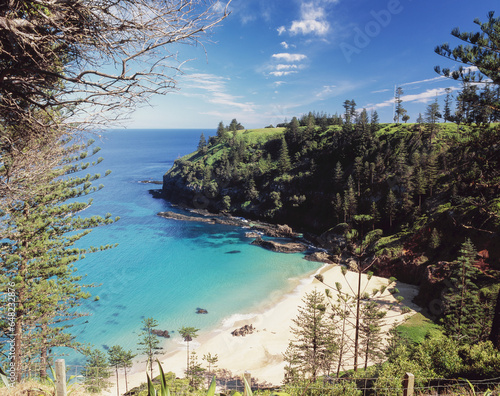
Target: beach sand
{"x": 261, "y": 353}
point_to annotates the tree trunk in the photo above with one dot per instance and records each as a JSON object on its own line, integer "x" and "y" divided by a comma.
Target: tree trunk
{"x": 117, "y": 389}
{"x": 341, "y": 352}
{"x": 495, "y": 325}
{"x": 18, "y": 337}
{"x": 356, "y": 335}
{"x": 43, "y": 362}
{"x": 126, "y": 382}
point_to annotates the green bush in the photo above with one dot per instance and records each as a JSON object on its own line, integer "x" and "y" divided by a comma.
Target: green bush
{"x": 480, "y": 360}
{"x": 440, "y": 354}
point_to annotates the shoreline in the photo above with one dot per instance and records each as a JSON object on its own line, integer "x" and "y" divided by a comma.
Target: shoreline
{"x": 260, "y": 352}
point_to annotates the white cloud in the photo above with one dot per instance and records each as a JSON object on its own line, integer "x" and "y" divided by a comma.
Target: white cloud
{"x": 214, "y": 90}
{"x": 284, "y": 44}
{"x": 423, "y": 81}
{"x": 282, "y": 73}
{"x": 285, "y": 56}
{"x": 281, "y": 30}
{"x": 326, "y": 92}
{"x": 286, "y": 67}
{"x": 313, "y": 21}
{"x": 380, "y": 91}
{"x": 219, "y": 7}
{"x": 422, "y": 97}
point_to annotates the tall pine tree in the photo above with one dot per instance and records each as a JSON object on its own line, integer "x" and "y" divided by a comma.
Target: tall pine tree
{"x": 38, "y": 237}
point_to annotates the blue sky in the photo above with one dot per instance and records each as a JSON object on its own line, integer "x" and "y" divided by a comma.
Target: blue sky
{"x": 271, "y": 60}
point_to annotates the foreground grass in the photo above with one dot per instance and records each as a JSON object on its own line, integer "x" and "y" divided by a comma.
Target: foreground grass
{"x": 35, "y": 388}
{"x": 416, "y": 328}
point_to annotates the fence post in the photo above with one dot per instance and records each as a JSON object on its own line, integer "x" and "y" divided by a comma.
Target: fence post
{"x": 60, "y": 378}
{"x": 248, "y": 377}
{"x": 408, "y": 384}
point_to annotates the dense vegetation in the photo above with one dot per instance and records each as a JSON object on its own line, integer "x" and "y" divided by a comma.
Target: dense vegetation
{"x": 428, "y": 191}
{"x": 427, "y": 186}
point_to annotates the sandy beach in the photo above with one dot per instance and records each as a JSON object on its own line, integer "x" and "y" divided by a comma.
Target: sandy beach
{"x": 260, "y": 353}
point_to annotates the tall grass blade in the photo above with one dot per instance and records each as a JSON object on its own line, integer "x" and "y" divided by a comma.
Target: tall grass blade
{"x": 211, "y": 388}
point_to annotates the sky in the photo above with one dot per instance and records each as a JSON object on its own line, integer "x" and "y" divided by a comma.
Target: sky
{"x": 271, "y": 60}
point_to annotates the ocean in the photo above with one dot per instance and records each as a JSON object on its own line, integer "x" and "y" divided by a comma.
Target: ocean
{"x": 163, "y": 268}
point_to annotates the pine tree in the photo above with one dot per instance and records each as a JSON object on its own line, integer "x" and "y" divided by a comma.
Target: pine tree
{"x": 338, "y": 206}
{"x": 374, "y": 121}
{"x": 375, "y": 214}
{"x": 399, "y": 111}
{"x": 350, "y": 201}
{"x": 420, "y": 185}
{"x": 292, "y": 131}
{"x": 221, "y": 132}
{"x": 115, "y": 360}
{"x": 447, "y": 106}
{"x": 358, "y": 169}
{"x": 38, "y": 253}
{"x": 390, "y": 206}
{"x": 284, "y": 163}
{"x": 342, "y": 309}
{"x": 96, "y": 371}
{"x": 462, "y": 305}
{"x": 370, "y": 331}
{"x": 431, "y": 171}
{"x": 126, "y": 363}
{"x": 202, "y": 145}
{"x": 481, "y": 50}
{"x": 363, "y": 119}
{"x": 347, "y": 112}
{"x": 149, "y": 344}
{"x": 338, "y": 174}
{"x": 312, "y": 349}
{"x": 211, "y": 360}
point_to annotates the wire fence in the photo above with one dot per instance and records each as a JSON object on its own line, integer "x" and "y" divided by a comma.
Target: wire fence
{"x": 327, "y": 386}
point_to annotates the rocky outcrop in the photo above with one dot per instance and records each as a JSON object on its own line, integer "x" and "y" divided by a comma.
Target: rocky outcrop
{"x": 272, "y": 230}
{"x": 290, "y": 247}
{"x": 201, "y": 311}
{"x": 334, "y": 238}
{"x": 161, "y": 333}
{"x": 150, "y": 181}
{"x": 322, "y": 257}
{"x": 243, "y": 331}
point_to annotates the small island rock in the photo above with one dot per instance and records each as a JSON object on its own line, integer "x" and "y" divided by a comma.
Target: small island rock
{"x": 243, "y": 331}
{"x": 161, "y": 333}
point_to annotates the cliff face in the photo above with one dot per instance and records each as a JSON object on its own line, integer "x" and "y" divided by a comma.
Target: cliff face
{"x": 426, "y": 190}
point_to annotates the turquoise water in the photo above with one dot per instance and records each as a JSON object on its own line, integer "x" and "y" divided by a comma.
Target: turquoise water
{"x": 164, "y": 268}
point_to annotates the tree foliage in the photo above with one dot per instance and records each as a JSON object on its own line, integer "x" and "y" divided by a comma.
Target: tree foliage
{"x": 312, "y": 350}
{"x": 149, "y": 344}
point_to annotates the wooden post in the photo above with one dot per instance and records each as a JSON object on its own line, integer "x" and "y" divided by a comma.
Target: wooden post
{"x": 60, "y": 378}
{"x": 408, "y": 384}
{"x": 248, "y": 377}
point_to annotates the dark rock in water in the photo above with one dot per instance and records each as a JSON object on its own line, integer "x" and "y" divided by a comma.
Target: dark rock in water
{"x": 233, "y": 252}
{"x": 252, "y": 234}
{"x": 161, "y": 333}
{"x": 321, "y": 257}
{"x": 243, "y": 331}
{"x": 276, "y": 231}
{"x": 290, "y": 247}
{"x": 151, "y": 181}
{"x": 201, "y": 311}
